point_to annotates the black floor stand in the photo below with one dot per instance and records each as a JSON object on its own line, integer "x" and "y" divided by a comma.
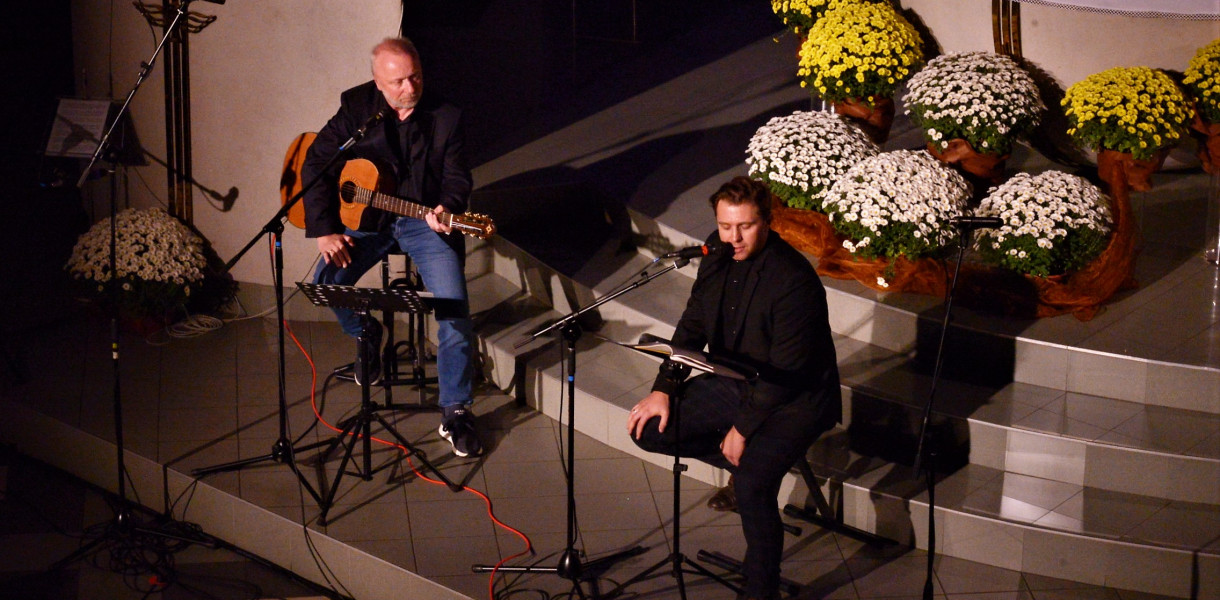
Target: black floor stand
{"x": 282, "y": 450}
{"x": 823, "y": 515}
{"x": 357, "y": 429}
{"x": 925, "y": 454}
{"x": 570, "y": 565}
{"x": 122, "y": 532}
{"x": 679, "y": 565}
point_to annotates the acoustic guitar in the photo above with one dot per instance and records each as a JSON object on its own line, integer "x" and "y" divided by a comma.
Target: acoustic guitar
{"x": 359, "y": 188}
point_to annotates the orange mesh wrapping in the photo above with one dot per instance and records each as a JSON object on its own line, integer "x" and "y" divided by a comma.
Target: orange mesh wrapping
{"x": 1209, "y": 145}
{"x": 812, "y": 232}
{"x": 959, "y": 153}
{"x": 1080, "y": 293}
{"x": 994, "y": 290}
{"x": 874, "y": 120}
{"x": 1136, "y": 173}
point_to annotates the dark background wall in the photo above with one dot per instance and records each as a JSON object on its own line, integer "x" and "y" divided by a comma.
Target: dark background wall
{"x": 41, "y": 218}
{"x": 523, "y": 68}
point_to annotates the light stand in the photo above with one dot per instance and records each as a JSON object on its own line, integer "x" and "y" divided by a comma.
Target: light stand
{"x": 122, "y": 530}
{"x": 570, "y": 565}
{"x": 965, "y": 226}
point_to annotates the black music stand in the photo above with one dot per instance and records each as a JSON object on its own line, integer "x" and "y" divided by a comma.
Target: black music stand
{"x": 685, "y": 361}
{"x": 570, "y": 565}
{"x": 358, "y": 427}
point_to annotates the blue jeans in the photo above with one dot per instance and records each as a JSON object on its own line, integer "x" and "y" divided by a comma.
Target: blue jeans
{"x": 441, "y": 268}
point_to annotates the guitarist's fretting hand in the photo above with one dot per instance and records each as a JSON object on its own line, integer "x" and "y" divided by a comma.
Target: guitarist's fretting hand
{"x": 334, "y": 249}
{"x": 433, "y": 219}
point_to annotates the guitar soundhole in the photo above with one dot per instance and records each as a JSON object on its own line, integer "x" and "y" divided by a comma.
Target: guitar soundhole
{"x": 347, "y": 191}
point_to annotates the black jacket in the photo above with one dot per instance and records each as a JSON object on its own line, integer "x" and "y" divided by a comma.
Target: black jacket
{"x": 783, "y": 332}
{"x": 436, "y": 172}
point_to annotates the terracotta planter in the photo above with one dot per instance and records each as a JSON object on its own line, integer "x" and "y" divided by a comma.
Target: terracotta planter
{"x": 1209, "y": 143}
{"x": 986, "y": 168}
{"x": 875, "y": 119}
{"x": 1123, "y": 169}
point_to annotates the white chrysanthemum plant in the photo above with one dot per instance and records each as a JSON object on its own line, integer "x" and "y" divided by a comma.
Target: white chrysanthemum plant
{"x": 897, "y": 204}
{"x": 157, "y": 258}
{"x": 801, "y": 155}
{"x": 984, "y": 98}
{"x": 1054, "y": 223}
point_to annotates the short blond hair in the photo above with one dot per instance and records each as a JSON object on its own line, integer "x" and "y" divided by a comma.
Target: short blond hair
{"x": 396, "y": 45}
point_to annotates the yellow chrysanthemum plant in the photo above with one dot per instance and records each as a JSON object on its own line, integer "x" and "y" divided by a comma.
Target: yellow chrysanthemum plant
{"x": 800, "y": 15}
{"x": 1202, "y": 81}
{"x": 859, "y": 50}
{"x": 1135, "y": 110}
{"x": 1202, "y": 84}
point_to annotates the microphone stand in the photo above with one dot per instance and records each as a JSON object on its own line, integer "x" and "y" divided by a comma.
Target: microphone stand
{"x": 929, "y": 466}
{"x": 282, "y": 449}
{"x": 570, "y": 566}
{"x": 122, "y": 529}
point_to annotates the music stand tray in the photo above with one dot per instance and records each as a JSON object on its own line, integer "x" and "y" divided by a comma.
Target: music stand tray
{"x": 364, "y": 300}
{"x": 358, "y": 427}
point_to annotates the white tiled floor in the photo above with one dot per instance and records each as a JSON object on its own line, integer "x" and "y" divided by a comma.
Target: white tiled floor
{"x": 621, "y": 500}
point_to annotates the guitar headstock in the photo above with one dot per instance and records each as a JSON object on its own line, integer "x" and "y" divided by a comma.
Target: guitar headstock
{"x": 474, "y": 225}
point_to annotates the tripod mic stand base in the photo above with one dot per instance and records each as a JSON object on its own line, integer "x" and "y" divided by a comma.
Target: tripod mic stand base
{"x": 123, "y": 531}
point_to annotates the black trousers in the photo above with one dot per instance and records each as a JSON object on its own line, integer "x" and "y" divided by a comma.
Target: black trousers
{"x": 705, "y": 409}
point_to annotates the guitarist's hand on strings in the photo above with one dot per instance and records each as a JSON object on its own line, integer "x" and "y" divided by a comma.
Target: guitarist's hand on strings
{"x": 334, "y": 249}
{"x": 435, "y": 217}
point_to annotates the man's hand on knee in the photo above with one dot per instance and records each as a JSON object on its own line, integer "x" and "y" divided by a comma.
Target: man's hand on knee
{"x": 334, "y": 249}
{"x": 655, "y": 404}
{"x": 732, "y": 446}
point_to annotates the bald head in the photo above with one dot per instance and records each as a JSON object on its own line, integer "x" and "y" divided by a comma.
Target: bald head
{"x": 398, "y": 75}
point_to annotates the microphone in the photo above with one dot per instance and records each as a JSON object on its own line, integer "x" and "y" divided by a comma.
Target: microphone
{"x": 971, "y": 222}
{"x": 373, "y": 120}
{"x": 359, "y": 135}
{"x": 712, "y": 249}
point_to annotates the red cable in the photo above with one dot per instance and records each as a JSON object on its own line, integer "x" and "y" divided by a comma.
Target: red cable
{"x": 491, "y": 581}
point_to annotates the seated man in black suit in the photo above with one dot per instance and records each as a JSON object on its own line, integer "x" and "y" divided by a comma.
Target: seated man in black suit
{"x": 762, "y": 306}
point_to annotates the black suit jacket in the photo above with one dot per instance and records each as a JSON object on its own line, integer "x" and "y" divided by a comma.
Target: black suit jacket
{"x": 783, "y": 333}
{"x": 431, "y": 171}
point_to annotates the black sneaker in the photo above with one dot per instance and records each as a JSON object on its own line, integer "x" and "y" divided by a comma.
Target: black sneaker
{"x": 457, "y": 427}
{"x": 373, "y": 331}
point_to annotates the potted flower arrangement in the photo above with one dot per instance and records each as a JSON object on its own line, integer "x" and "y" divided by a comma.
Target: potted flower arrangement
{"x": 856, "y": 55}
{"x": 800, "y": 15}
{"x": 1131, "y": 116}
{"x": 801, "y": 155}
{"x": 971, "y": 106}
{"x": 1054, "y": 223}
{"x": 160, "y": 263}
{"x": 896, "y": 205}
{"x": 1201, "y": 81}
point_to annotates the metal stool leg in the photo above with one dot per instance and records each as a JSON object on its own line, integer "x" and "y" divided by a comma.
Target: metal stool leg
{"x": 413, "y": 348}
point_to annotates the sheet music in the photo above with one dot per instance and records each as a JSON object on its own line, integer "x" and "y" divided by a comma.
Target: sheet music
{"x": 78, "y": 127}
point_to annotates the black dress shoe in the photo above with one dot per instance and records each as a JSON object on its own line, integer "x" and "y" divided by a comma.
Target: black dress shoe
{"x": 725, "y": 498}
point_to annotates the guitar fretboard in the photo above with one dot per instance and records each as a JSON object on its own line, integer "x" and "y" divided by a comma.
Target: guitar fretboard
{"x": 389, "y": 203}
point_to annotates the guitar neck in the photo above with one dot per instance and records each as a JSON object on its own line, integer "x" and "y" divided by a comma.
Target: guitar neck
{"x": 396, "y": 205}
